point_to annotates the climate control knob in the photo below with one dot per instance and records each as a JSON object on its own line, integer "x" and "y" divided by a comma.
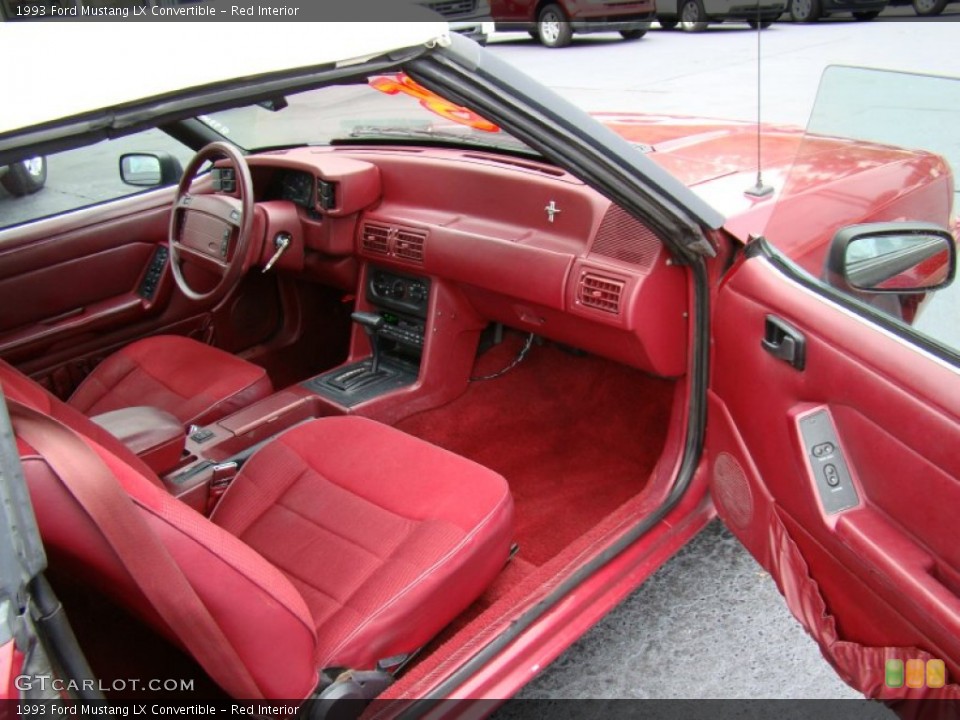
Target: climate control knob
{"x": 381, "y": 285}
{"x": 417, "y": 292}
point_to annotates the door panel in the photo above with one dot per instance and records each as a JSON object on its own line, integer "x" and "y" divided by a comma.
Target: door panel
{"x": 874, "y": 576}
{"x": 40, "y": 297}
{"x": 71, "y": 285}
{"x": 72, "y": 292}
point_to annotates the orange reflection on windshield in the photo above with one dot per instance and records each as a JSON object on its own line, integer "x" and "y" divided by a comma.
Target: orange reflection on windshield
{"x": 400, "y": 83}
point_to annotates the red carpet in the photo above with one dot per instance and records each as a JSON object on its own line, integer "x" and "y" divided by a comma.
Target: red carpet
{"x": 574, "y": 435}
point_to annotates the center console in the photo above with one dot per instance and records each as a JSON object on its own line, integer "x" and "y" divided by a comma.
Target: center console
{"x": 396, "y": 329}
{"x": 422, "y": 337}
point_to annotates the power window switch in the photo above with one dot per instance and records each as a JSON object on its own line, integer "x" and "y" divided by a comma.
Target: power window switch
{"x": 831, "y": 475}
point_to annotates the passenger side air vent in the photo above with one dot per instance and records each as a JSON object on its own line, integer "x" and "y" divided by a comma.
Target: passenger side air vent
{"x": 409, "y": 245}
{"x": 622, "y": 237}
{"x": 600, "y": 292}
{"x": 375, "y": 238}
{"x": 402, "y": 243}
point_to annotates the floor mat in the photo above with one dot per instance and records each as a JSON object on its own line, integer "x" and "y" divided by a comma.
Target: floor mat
{"x": 574, "y": 435}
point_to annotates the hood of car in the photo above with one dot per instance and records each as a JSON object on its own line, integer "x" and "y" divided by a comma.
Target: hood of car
{"x": 717, "y": 159}
{"x": 121, "y": 65}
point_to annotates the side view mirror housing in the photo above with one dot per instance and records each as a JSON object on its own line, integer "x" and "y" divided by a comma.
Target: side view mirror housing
{"x": 894, "y": 257}
{"x": 154, "y": 169}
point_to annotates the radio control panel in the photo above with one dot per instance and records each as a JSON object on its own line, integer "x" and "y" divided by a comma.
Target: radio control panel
{"x": 402, "y": 301}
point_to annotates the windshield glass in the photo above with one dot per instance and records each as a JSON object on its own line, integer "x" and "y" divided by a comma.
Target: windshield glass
{"x": 907, "y": 132}
{"x": 388, "y": 107}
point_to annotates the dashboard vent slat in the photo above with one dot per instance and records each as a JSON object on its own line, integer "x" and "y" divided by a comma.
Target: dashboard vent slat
{"x": 600, "y": 292}
{"x": 408, "y": 245}
{"x": 375, "y": 238}
{"x": 402, "y": 243}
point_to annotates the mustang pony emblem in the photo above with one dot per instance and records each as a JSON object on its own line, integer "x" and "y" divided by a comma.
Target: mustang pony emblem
{"x": 552, "y": 210}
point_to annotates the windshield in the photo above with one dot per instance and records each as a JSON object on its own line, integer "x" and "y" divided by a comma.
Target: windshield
{"x": 386, "y": 107}
{"x": 908, "y": 132}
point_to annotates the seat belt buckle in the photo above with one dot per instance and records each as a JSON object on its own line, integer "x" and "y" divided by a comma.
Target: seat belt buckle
{"x": 220, "y": 481}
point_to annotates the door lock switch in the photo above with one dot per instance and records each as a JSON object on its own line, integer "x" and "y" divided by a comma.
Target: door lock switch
{"x": 831, "y": 475}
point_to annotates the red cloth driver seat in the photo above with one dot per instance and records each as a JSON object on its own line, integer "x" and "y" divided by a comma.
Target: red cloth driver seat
{"x": 196, "y": 383}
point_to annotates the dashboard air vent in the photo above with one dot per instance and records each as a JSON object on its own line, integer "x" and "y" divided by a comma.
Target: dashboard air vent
{"x": 600, "y": 292}
{"x": 622, "y": 237}
{"x": 408, "y": 244}
{"x": 403, "y": 243}
{"x": 375, "y": 238}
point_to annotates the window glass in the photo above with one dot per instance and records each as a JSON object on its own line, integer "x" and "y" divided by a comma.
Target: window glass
{"x": 895, "y": 137}
{"x": 45, "y": 186}
{"x": 389, "y": 107}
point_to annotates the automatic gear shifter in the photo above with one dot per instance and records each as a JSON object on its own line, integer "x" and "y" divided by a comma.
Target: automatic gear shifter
{"x": 360, "y": 375}
{"x": 371, "y": 324}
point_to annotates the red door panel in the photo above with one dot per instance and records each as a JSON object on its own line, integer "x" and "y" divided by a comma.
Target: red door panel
{"x": 70, "y": 288}
{"x": 855, "y": 514}
{"x": 40, "y": 297}
{"x": 71, "y": 292}
{"x": 70, "y": 284}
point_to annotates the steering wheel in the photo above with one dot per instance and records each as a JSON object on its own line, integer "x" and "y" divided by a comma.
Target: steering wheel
{"x": 212, "y": 231}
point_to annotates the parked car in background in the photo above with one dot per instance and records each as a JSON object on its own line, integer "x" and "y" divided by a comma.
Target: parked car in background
{"x": 813, "y": 10}
{"x": 467, "y": 17}
{"x": 554, "y": 22}
{"x": 24, "y": 177}
{"x": 925, "y": 8}
{"x": 696, "y": 15}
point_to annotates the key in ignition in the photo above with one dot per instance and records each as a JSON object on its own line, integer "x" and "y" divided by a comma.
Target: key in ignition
{"x": 281, "y": 242}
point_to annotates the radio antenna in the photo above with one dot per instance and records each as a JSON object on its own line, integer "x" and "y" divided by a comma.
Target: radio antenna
{"x": 759, "y": 189}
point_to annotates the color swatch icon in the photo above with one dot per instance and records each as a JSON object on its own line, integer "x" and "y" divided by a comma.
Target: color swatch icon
{"x": 915, "y": 673}
{"x": 894, "y": 673}
{"x": 936, "y": 674}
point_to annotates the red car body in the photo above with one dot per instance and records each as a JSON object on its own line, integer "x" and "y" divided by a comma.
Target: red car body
{"x": 689, "y": 369}
{"x": 718, "y": 159}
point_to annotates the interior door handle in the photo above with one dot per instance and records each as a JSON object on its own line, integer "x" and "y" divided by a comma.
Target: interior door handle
{"x": 784, "y": 341}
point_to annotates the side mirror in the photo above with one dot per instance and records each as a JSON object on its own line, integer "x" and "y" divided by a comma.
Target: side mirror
{"x": 156, "y": 169}
{"x": 898, "y": 258}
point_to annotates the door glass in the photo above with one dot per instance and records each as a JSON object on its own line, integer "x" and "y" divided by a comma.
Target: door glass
{"x": 43, "y": 186}
{"x": 893, "y": 140}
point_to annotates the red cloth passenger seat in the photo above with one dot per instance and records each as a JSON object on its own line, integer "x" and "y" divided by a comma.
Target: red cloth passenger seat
{"x": 342, "y": 542}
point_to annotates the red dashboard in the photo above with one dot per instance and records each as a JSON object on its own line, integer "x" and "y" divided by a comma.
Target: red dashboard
{"x": 525, "y": 243}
